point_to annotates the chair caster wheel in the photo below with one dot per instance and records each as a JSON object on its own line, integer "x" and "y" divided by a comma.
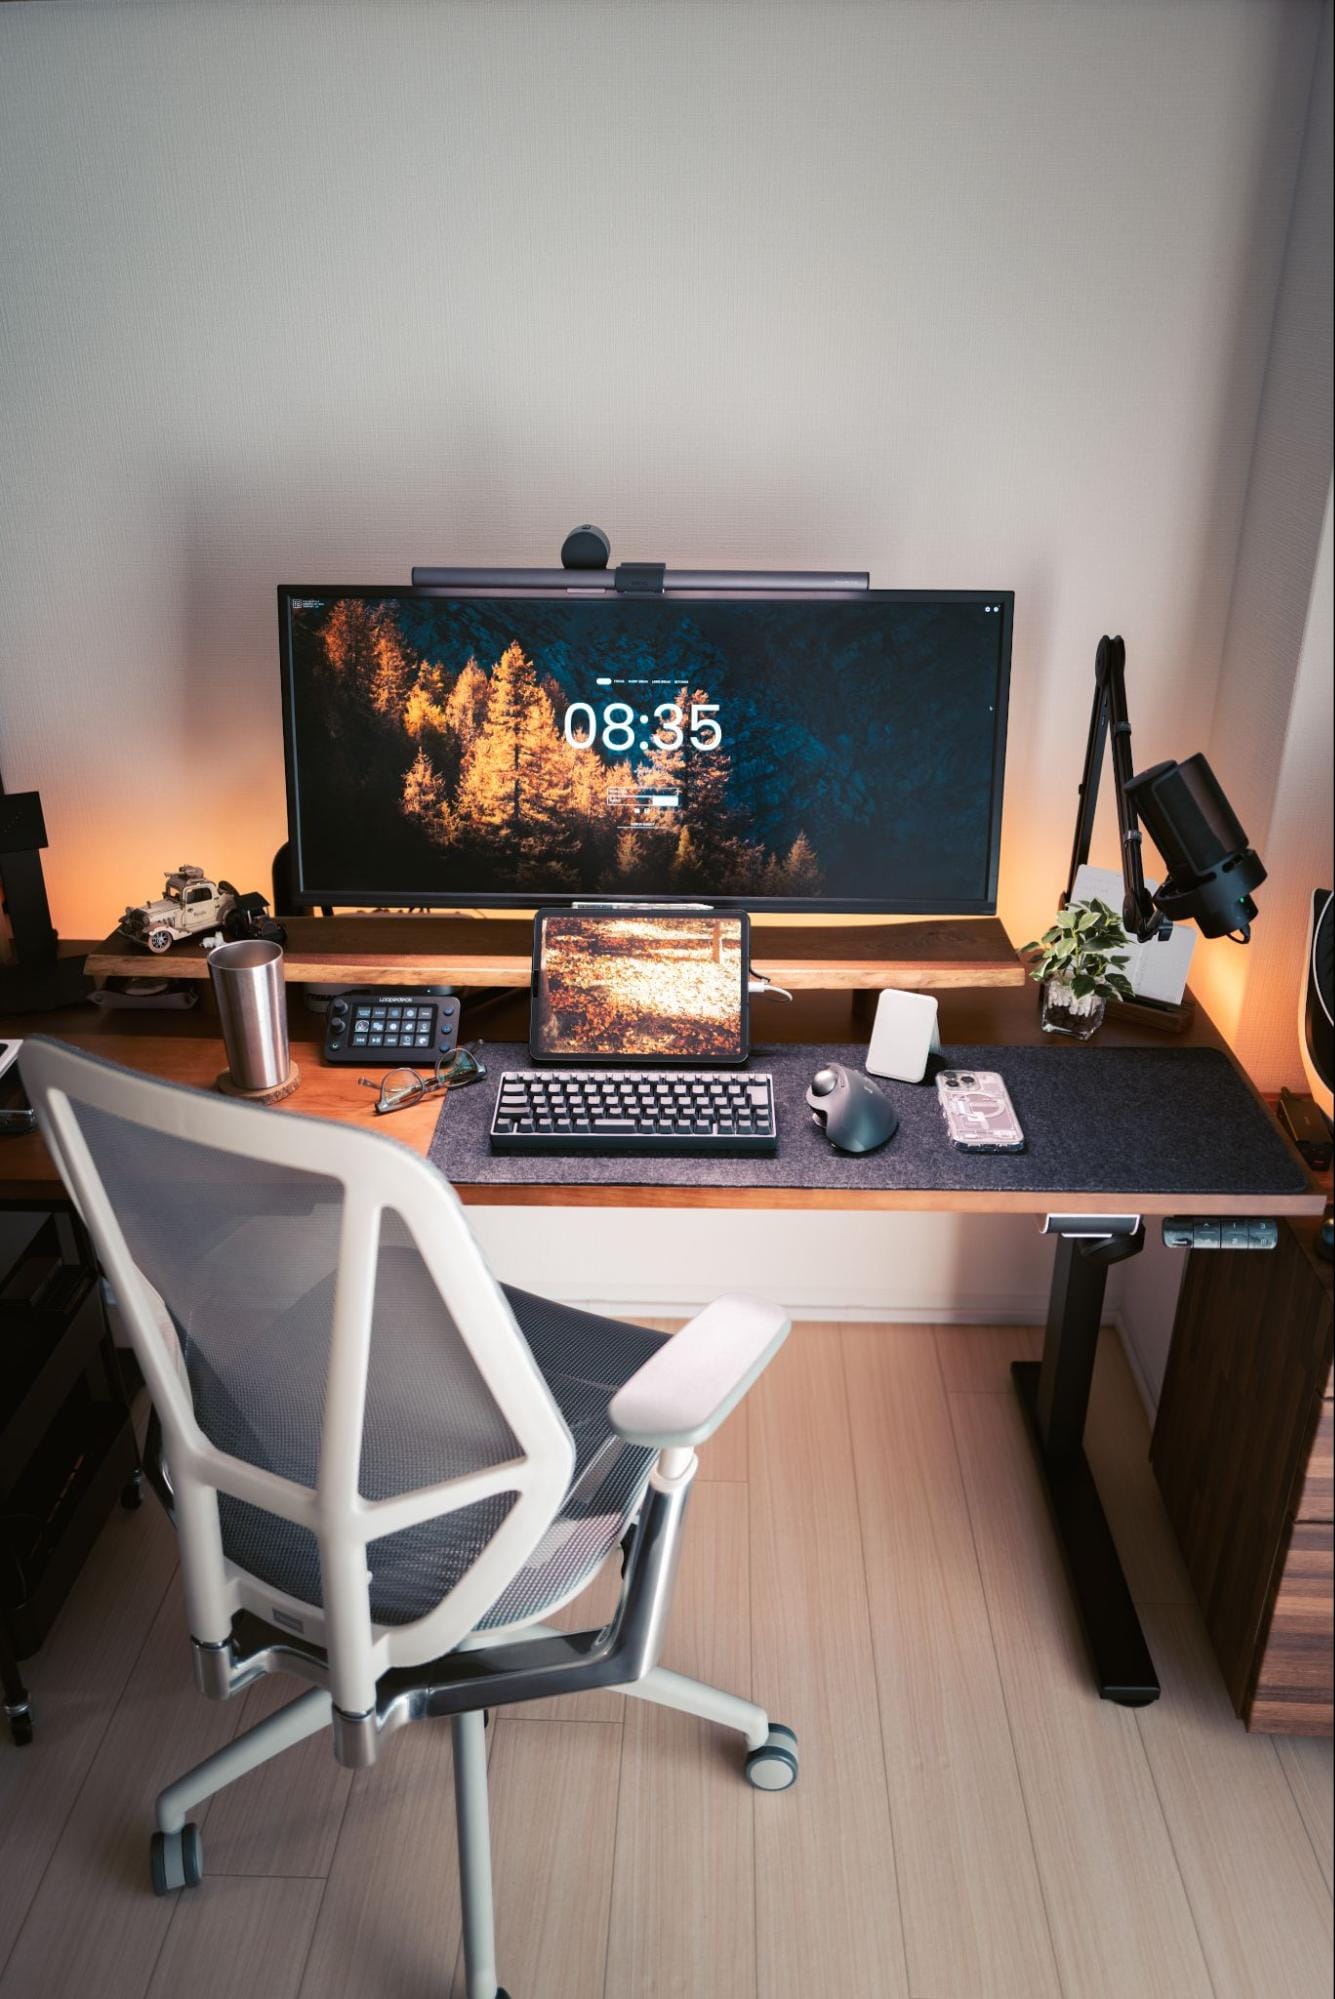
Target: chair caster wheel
{"x": 773, "y": 1767}
{"x": 20, "y": 1726}
{"x": 176, "y": 1859}
{"x": 132, "y": 1493}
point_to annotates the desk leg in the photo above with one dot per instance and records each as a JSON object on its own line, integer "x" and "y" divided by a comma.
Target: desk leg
{"x": 1054, "y": 1394}
{"x": 18, "y": 1708}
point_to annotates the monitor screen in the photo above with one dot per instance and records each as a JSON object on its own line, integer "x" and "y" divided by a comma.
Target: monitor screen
{"x": 669, "y": 988}
{"x": 787, "y": 752}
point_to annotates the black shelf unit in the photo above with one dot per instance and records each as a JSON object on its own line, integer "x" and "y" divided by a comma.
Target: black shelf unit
{"x": 67, "y": 1443}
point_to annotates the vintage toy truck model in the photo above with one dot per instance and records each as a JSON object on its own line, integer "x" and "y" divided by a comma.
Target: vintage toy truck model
{"x": 189, "y": 904}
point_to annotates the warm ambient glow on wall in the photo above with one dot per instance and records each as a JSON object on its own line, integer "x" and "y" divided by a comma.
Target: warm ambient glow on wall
{"x": 1220, "y": 977}
{"x": 91, "y": 877}
{"x": 1252, "y": 995}
{"x": 1289, "y": 811}
{"x": 92, "y": 873}
{"x": 90, "y": 880}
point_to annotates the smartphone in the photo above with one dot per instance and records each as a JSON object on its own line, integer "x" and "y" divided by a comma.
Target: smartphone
{"x": 979, "y": 1114}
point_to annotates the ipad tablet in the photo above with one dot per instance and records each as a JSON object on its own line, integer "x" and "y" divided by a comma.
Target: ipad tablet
{"x": 640, "y": 987}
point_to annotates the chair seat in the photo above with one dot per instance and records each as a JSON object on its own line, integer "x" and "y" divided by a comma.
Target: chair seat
{"x": 584, "y": 1359}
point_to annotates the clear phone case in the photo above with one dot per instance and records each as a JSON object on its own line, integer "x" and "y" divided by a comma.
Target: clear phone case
{"x": 979, "y": 1114}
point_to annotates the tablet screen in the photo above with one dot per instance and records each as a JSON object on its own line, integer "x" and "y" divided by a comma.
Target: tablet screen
{"x": 657, "y": 988}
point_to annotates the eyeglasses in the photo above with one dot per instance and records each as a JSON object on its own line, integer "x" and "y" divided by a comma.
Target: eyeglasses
{"x": 400, "y": 1087}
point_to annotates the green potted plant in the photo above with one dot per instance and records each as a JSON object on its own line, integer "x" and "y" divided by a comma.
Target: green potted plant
{"x": 1077, "y": 963}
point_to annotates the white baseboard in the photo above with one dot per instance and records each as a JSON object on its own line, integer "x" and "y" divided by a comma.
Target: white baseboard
{"x": 1117, "y": 1321}
{"x": 1023, "y": 1311}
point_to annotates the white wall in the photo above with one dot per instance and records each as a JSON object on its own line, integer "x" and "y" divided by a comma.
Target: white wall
{"x": 966, "y": 291}
{"x": 1300, "y": 845}
{"x": 1262, "y": 1011}
{"x": 1271, "y": 736}
{"x": 1271, "y": 729}
{"x": 912, "y": 1268}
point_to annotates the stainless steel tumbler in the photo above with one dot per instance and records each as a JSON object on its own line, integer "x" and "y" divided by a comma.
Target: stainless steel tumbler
{"x": 248, "y": 980}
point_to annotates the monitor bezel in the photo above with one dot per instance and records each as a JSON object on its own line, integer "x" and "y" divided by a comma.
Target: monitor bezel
{"x": 312, "y": 896}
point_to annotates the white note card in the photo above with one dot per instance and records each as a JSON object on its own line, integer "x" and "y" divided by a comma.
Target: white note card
{"x": 1157, "y": 971}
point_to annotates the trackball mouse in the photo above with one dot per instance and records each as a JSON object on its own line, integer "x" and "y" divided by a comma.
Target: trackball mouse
{"x": 855, "y": 1115}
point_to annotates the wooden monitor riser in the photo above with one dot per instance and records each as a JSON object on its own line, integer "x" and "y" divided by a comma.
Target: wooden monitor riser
{"x": 919, "y": 954}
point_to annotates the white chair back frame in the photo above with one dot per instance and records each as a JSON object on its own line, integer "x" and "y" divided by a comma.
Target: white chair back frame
{"x": 377, "y": 1177}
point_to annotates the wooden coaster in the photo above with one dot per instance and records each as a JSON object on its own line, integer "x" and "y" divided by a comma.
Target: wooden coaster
{"x": 273, "y": 1096}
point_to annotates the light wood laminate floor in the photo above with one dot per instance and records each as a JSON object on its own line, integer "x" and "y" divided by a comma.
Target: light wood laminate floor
{"x": 868, "y": 1552}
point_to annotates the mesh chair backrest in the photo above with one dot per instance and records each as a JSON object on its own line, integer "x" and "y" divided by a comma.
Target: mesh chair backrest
{"x": 244, "y": 1251}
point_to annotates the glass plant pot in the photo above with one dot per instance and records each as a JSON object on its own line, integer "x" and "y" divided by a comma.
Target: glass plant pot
{"x": 1063, "y": 1013}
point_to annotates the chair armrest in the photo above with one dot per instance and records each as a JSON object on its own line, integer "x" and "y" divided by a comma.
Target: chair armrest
{"x": 696, "y": 1378}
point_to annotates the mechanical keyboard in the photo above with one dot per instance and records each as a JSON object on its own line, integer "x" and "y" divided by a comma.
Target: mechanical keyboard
{"x": 664, "y": 1112}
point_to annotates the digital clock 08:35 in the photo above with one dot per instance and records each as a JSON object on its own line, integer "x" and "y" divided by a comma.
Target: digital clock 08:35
{"x": 619, "y": 721}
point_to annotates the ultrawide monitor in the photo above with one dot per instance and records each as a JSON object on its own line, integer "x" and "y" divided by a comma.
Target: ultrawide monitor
{"x": 838, "y": 753}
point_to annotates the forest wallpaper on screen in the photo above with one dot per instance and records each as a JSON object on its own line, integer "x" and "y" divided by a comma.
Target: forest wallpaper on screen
{"x": 663, "y": 986}
{"x": 457, "y": 746}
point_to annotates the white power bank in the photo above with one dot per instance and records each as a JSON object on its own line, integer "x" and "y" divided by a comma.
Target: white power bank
{"x": 904, "y": 1033}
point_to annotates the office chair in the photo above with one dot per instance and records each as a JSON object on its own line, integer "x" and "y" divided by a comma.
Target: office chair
{"x": 384, "y": 1468}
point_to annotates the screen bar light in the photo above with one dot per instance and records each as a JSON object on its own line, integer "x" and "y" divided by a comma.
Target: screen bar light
{"x": 637, "y": 579}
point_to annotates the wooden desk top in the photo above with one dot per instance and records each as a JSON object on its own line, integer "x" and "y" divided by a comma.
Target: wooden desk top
{"x": 185, "y": 1048}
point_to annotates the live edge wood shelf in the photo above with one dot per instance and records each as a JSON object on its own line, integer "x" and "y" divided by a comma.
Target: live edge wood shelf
{"x": 442, "y": 950}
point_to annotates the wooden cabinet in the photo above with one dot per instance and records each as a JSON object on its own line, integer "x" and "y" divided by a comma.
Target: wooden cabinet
{"x": 1242, "y": 1453}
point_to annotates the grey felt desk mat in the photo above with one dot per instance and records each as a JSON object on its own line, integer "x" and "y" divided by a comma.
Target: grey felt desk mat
{"x": 1105, "y": 1120}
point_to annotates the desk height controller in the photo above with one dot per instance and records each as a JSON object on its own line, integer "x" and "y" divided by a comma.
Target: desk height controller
{"x": 1220, "y": 1232}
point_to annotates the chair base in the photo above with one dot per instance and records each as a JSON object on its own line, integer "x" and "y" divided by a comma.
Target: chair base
{"x": 482, "y": 1673}
{"x": 177, "y": 1852}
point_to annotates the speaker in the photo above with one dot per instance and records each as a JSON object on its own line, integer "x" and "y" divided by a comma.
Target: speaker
{"x": 38, "y": 977}
{"x": 1316, "y": 1021}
